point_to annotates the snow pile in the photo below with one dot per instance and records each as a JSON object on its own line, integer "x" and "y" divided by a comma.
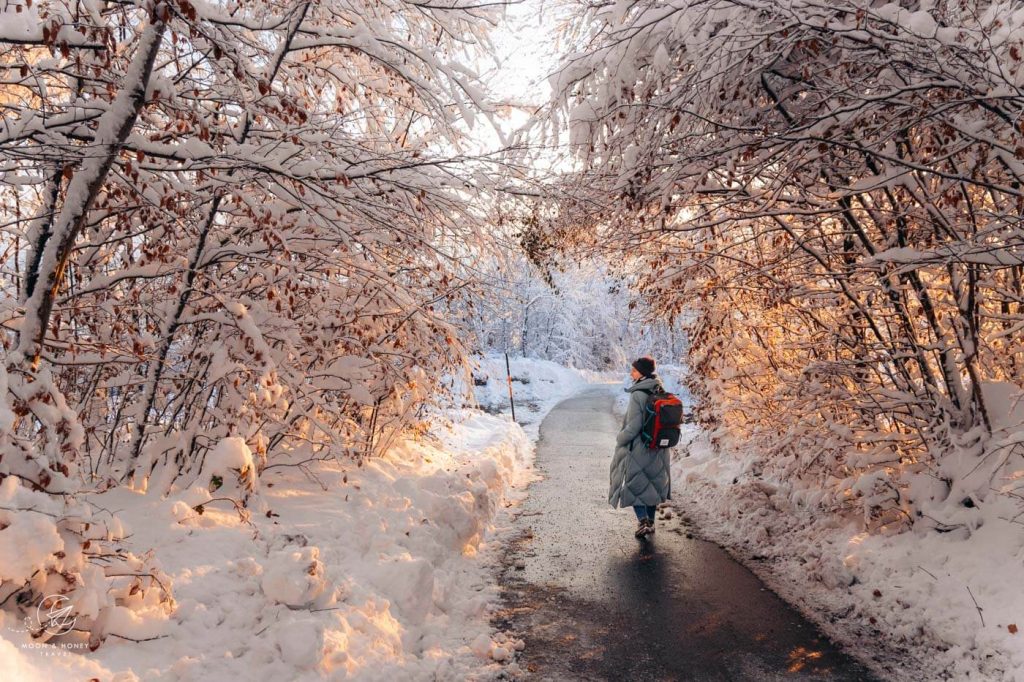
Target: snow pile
{"x": 66, "y": 577}
{"x": 916, "y": 605}
{"x": 500, "y": 648}
{"x": 294, "y": 578}
{"x": 376, "y": 571}
{"x": 229, "y": 468}
{"x": 28, "y": 542}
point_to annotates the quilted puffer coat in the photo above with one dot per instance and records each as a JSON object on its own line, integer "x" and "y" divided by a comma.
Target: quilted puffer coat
{"x": 639, "y": 474}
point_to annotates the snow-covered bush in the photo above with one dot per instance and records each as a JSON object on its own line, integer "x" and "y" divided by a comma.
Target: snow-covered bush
{"x": 229, "y": 469}
{"x": 248, "y": 260}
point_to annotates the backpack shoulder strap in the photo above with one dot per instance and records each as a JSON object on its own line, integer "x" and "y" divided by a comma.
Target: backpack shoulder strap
{"x": 647, "y": 392}
{"x": 650, "y": 392}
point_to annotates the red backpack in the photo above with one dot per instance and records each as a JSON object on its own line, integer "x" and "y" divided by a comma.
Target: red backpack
{"x": 663, "y": 413}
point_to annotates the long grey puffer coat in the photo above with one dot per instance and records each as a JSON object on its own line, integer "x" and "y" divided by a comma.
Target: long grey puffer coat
{"x": 639, "y": 474}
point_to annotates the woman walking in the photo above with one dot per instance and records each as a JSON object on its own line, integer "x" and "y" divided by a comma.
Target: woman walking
{"x": 639, "y": 476}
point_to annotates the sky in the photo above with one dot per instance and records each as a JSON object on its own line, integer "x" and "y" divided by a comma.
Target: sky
{"x": 526, "y": 53}
{"x": 525, "y": 44}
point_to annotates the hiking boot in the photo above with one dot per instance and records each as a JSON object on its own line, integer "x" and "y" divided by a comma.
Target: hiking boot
{"x": 644, "y": 528}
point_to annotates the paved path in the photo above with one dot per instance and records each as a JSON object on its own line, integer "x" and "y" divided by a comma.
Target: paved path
{"x": 594, "y": 603}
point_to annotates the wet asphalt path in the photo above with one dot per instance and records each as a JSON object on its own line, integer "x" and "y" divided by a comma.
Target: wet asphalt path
{"x": 594, "y": 603}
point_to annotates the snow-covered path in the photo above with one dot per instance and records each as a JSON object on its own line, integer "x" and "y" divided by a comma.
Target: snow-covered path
{"x": 593, "y": 603}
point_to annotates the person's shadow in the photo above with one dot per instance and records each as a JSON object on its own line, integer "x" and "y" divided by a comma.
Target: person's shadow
{"x": 641, "y": 579}
{"x": 659, "y": 621}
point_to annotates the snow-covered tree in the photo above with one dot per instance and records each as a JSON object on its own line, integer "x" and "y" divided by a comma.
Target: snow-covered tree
{"x": 834, "y": 190}
{"x": 239, "y": 221}
{"x": 578, "y": 312}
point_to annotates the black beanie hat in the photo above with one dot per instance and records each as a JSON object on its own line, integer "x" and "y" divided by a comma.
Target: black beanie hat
{"x": 644, "y": 365}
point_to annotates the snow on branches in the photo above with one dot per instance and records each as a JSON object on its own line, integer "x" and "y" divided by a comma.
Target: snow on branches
{"x": 834, "y": 189}
{"x": 238, "y": 223}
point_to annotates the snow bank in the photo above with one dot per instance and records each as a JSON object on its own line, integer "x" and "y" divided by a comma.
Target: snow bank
{"x": 916, "y": 605}
{"x": 372, "y": 572}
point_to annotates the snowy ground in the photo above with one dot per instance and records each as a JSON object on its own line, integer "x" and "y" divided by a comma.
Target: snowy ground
{"x": 904, "y": 604}
{"x": 379, "y": 572}
{"x": 537, "y": 386}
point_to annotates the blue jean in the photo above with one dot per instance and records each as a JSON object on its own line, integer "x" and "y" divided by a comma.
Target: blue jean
{"x": 644, "y": 512}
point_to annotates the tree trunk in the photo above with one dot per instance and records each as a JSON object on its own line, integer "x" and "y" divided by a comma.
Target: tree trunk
{"x": 112, "y": 129}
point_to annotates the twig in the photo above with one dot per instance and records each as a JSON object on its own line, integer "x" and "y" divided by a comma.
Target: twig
{"x": 976, "y": 606}
{"x": 294, "y": 464}
{"x": 243, "y": 513}
{"x": 132, "y": 639}
{"x": 141, "y": 575}
{"x": 264, "y": 628}
{"x": 29, "y": 509}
